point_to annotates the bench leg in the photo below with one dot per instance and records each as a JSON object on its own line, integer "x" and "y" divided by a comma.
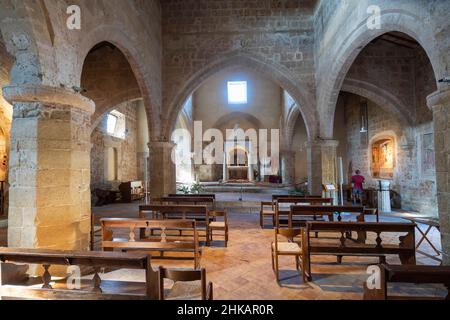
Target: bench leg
{"x": 339, "y": 259}
{"x": 261, "y": 220}
{"x": 226, "y": 237}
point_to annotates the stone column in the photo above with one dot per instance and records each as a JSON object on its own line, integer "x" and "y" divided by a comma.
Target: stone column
{"x": 162, "y": 169}
{"x": 288, "y": 167}
{"x": 314, "y": 167}
{"x": 225, "y": 166}
{"x": 50, "y": 199}
{"x": 329, "y": 161}
{"x": 439, "y": 103}
{"x": 322, "y": 164}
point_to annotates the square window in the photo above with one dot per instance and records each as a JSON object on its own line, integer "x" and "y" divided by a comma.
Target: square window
{"x": 237, "y": 92}
{"x": 111, "y": 124}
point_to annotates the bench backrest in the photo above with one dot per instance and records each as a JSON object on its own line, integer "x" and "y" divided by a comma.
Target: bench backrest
{"x": 276, "y": 197}
{"x": 405, "y": 249}
{"x": 93, "y": 261}
{"x": 408, "y": 274}
{"x": 327, "y": 209}
{"x": 209, "y": 201}
{"x": 185, "y": 211}
{"x": 311, "y": 201}
{"x": 166, "y": 241}
{"x": 212, "y": 195}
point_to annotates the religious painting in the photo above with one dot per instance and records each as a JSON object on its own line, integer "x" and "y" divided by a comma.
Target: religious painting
{"x": 383, "y": 159}
{"x": 428, "y": 157}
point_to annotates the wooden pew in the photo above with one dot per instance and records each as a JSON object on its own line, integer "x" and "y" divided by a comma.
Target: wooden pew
{"x": 179, "y": 212}
{"x": 187, "y": 200}
{"x": 408, "y": 274}
{"x": 268, "y": 209}
{"x": 203, "y": 195}
{"x": 43, "y": 288}
{"x": 163, "y": 242}
{"x": 275, "y": 197}
{"x": 348, "y": 247}
{"x": 285, "y": 212}
{"x": 330, "y": 211}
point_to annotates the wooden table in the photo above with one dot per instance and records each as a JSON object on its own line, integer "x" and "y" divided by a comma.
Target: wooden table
{"x": 430, "y": 224}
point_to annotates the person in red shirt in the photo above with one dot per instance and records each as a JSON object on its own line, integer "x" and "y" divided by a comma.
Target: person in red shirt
{"x": 357, "y": 187}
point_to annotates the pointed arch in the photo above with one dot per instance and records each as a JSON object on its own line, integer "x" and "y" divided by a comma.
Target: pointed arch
{"x": 279, "y": 74}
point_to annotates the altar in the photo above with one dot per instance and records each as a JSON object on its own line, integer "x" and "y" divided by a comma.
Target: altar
{"x": 238, "y": 173}
{"x": 238, "y": 161}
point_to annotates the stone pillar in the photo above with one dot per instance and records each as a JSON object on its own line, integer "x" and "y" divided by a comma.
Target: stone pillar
{"x": 322, "y": 165}
{"x": 50, "y": 199}
{"x": 329, "y": 161}
{"x": 162, "y": 169}
{"x": 439, "y": 103}
{"x": 225, "y": 166}
{"x": 288, "y": 167}
{"x": 314, "y": 167}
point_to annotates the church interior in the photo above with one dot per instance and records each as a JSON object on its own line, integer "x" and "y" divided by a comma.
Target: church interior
{"x": 224, "y": 150}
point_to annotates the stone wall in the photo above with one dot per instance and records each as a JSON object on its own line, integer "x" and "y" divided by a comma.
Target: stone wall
{"x": 416, "y": 187}
{"x": 197, "y": 34}
{"x": 126, "y": 149}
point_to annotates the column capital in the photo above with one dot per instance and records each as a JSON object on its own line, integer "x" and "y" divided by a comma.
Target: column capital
{"x": 439, "y": 98}
{"x": 32, "y": 93}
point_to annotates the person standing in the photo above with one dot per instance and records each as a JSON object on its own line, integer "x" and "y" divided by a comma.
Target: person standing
{"x": 357, "y": 187}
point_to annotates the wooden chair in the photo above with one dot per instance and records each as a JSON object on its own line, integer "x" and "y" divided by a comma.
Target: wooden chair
{"x": 267, "y": 210}
{"x": 188, "y": 285}
{"x": 289, "y": 248}
{"x": 218, "y": 225}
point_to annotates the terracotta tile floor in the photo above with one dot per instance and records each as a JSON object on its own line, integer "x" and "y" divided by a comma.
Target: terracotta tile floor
{"x": 243, "y": 270}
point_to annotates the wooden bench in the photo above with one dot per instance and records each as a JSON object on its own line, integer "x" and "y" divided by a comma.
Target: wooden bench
{"x": 187, "y": 200}
{"x": 17, "y": 285}
{"x": 268, "y": 209}
{"x": 179, "y": 212}
{"x": 344, "y": 246}
{"x": 276, "y": 197}
{"x": 204, "y": 195}
{"x": 408, "y": 274}
{"x": 163, "y": 242}
{"x": 330, "y": 211}
{"x": 282, "y": 208}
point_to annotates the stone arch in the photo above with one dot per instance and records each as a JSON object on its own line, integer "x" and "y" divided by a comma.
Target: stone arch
{"x": 380, "y": 97}
{"x": 349, "y": 49}
{"x": 97, "y": 120}
{"x": 27, "y": 42}
{"x": 279, "y": 74}
{"x": 237, "y": 115}
{"x": 118, "y": 38}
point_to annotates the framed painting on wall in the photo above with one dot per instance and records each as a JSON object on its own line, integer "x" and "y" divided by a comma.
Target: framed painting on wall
{"x": 428, "y": 157}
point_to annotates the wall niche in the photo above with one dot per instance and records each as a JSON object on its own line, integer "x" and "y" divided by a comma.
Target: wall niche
{"x": 383, "y": 158}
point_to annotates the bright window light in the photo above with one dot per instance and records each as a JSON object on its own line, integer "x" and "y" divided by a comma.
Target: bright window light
{"x": 116, "y": 124}
{"x": 111, "y": 124}
{"x": 237, "y": 92}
